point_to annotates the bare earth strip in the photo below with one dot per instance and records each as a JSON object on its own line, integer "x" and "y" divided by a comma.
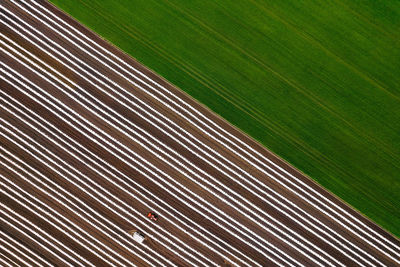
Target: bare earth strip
{"x": 91, "y": 141}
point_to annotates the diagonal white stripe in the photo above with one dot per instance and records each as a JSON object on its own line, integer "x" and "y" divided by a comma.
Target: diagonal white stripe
{"x": 19, "y": 247}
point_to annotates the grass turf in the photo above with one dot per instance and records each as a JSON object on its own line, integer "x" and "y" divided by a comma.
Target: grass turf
{"x": 317, "y": 82}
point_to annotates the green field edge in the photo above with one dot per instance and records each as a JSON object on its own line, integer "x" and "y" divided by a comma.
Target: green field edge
{"x": 294, "y": 147}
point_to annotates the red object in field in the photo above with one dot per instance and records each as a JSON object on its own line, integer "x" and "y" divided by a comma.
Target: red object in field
{"x": 152, "y": 216}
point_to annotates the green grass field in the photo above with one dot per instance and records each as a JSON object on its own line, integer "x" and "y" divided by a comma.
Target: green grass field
{"x": 317, "y": 82}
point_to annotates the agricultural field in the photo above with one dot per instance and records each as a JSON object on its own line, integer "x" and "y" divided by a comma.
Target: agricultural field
{"x": 316, "y": 82}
